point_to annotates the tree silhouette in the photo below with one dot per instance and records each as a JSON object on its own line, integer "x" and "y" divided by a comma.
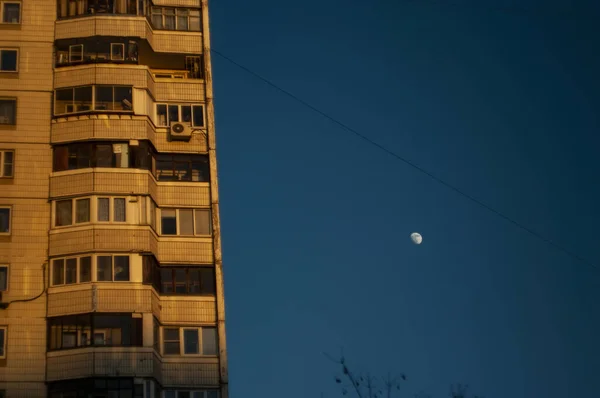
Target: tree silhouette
{"x": 358, "y": 385}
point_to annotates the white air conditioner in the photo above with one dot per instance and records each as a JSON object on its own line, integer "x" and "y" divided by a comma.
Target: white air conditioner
{"x": 181, "y": 131}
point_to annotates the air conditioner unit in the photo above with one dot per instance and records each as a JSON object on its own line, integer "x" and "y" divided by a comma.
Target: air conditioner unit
{"x": 180, "y": 131}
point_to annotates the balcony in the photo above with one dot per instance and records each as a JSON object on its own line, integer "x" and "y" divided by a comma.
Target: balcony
{"x": 128, "y": 182}
{"x": 162, "y": 41}
{"x": 130, "y": 297}
{"x": 108, "y": 238}
{"x": 103, "y": 361}
{"x": 133, "y": 362}
{"x": 160, "y": 83}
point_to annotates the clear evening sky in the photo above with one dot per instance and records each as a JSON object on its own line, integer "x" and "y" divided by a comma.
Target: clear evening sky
{"x": 500, "y": 103}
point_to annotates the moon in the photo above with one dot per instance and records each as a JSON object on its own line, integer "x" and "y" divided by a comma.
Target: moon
{"x": 416, "y": 238}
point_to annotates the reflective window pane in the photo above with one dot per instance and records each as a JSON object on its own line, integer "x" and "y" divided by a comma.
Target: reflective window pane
{"x": 121, "y": 268}
{"x": 82, "y": 213}
{"x": 209, "y": 341}
{"x": 186, "y": 222}
{"x": 85, "y": 269}
{"x": 104, "y": 267}
{"x": 64, "y": 213}
{"x": 190, "y": 338}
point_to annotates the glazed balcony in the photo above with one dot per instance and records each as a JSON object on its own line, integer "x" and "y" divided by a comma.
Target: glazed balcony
{"x": 128, "y": 182}
{"x": 122, "y": 25}
{"x": 118, "y": 127}
{"x": 163, "y": 85}
{"x": 142, "y": 239}
{"x": 130, "y": 298}
{"x": 138, "y": 362}
{"x": 103, "y": 361}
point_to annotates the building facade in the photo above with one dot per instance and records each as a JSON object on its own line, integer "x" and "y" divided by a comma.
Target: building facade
{"x": 110, "y": 254}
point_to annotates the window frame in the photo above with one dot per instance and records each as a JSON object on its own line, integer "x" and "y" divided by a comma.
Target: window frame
{"x": 111, "y": 209}
{"x": 177, "y": 222}
{"x": 14, "y": 115}
{"x": 71, "y": 47}
{"x": 64, "y": 260}
{"x": 192, "y": 122}
{"x": 7, "y": 267}
{"x": 182, "y": 329}
{"x": 93, "y": 102}
{"x": 16, "y": 50}
{"x": 3, "y": 163}
{"x": 112, "y": 266}
{"x": 112, "y": 58}
{"x": 73, "y": 212}
{"x": 2, "y": 11}
{"x": 10, "y": 214}
{"x": 4, "y": 343}
{"x": 155, "y": 11}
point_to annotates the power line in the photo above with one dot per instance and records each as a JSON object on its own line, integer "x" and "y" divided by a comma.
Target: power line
{"x": 405, "y": 161}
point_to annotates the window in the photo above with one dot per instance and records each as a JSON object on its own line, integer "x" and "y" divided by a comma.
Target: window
{"x": 3, "y": 330}
{"x": 112, "y": 268}
{"x": 3, "y": 278}
{"x": 194, "y": 67}
{"x": 190, "y": 341}
{"x": 169, "y": 167}
{"x": 7, "y": 162}
{"x": 8, "y": 112}
{"x": 11, "y": 12}
{"x": 102, "y": 154}
{"x": 76, "y": 53}
{"x": 167, "y": 113}
{"x": 5, "y": 220}
{"x": 96, "y": 50}
{"x": 92, "y": 98}
{"x": 188, "y": 280}
{"x": 9, "y": 59}
{"x": 191, "y": 393}
{"x": 71, "y": 209}
{"x": 170, "y": 18}
{"x": 76, "y": 8}
{"x": 117, "y": 51}
{"x": 94, "y": 330}
{"x": 119, "y": 212}
{"x": 114, "y": 387}
{"x": 186, "y": 222}
{"x": 68, "y": 271}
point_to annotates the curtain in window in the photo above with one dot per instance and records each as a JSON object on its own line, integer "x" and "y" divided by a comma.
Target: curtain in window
{"x": 203, "y": 222}
{"x": 103, "y": 209}
{"x": 119, "y": 204}
{"x": 83, "y": 211}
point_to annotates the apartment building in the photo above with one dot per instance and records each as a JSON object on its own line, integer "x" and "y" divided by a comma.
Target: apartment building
{"x": 110, "y": 255}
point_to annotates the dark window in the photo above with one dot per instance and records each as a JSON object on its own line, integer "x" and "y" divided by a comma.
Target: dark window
{"x": 64, "y": 212}
{"x": 156, "y": 334}
{"x": 58, "y": 272}
{"x": 8, "y": 112}
{"x": 94, "y": 329}
{"x": 198, "y": 116}
{"x": 71, "y": 271}
{"x": 188, "y": 280}
{"x": 119, "y": 207}
{"x": 196, "y": 341}
{"x": 103, "y": 209}
{"x": 82, "y": 210}
{"x": 2, "y": 342}
{"x": 170, "y": 18}
{"x": 168, "y": 222}
{"x": 8, "y": 60}
{"x": 80, "y": 99}
{"x": 85, "y": 269}
{"x": 171, "y": 344}
{"x": 104, "y": 268}
{"x": 75, "y": 8}
{"x": 190, "y": 341}
{"x": 194, "y": 67}
{"x": 3, "y": 278}
{"x": 121, "y": 268}
{"x": 4, "y": 220}
{"x": 106, "y": 155}
{"x": 182, "y": 168}
{"x": 11, "y": 12}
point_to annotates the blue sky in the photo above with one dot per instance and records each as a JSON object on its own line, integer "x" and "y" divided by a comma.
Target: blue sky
{"x": 316, "y": 223}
